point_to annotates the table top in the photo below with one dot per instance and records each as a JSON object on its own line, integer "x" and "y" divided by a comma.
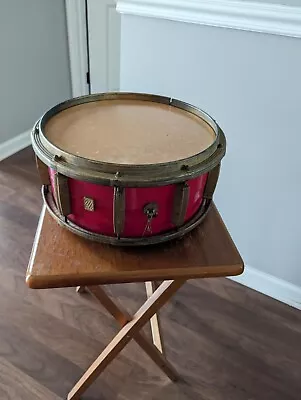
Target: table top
{"x": 60, "y": 258}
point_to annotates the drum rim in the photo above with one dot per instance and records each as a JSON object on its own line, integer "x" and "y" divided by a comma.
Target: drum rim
{"x": 79, "y": 167}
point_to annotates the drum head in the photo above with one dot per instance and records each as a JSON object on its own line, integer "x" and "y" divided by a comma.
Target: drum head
{"x": 127, "y": 131}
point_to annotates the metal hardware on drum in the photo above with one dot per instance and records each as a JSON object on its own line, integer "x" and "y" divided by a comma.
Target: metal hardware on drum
{"x": 62, "y": 195}
{"x": 180, "y": 203}
{"x": 151, "y": 211}
{"x": 118, "y": 210}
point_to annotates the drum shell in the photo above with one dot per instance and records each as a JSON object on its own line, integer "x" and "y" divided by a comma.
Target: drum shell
{"x": 101, "y": 219}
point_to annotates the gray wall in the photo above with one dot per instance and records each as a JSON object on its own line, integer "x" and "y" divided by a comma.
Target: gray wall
{"x": 250, "y": 83}
{"x": 34, "y": 66}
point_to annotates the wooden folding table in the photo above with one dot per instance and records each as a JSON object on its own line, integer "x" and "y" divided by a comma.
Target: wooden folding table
{"x": 60, "y": 259}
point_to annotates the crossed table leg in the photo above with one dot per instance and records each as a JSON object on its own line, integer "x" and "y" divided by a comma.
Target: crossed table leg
{"x": 131, "y": 327}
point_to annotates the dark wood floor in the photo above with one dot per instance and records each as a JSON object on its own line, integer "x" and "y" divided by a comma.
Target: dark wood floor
{"x": 228, "y": 342}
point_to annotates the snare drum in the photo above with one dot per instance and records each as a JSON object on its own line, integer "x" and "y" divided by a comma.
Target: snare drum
{"x": 127, "y": 168}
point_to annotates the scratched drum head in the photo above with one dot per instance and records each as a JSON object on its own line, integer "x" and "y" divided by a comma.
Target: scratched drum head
{"x": 129, "y": 131}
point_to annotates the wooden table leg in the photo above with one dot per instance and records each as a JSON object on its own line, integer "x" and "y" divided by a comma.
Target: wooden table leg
{"x": 155, "y": 320}
{"x": 123, "y": 317}
{"x": 123, "y": 337}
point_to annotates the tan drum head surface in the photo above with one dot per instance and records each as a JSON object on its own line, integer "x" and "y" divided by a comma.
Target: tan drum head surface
{"x": 129, "y": 132}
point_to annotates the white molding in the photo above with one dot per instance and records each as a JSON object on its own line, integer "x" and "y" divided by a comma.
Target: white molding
{"x": 14, "y": 145}
{"x": 77, "y": 41}
{"x": 104, "y": 45}
{"x": 269, "y": 285}
{"x": 250, "y": 16}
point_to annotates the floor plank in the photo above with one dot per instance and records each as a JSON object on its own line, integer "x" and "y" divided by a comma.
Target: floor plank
{"x": 227, "y": 341}
{"x": 15, "y": 384}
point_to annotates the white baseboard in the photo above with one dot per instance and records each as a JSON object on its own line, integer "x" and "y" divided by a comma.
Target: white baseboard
{"x": 253, "y": 16}
{"x": 271, "y": 286}
{"x": 14, "y": 145}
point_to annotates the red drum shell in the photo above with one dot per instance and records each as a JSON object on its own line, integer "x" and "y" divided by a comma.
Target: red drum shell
{"x": 101, "y": 219}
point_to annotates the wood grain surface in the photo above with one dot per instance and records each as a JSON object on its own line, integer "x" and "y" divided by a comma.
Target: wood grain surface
{"x": 60, "y": 258}
{"x": 225, "y": 340}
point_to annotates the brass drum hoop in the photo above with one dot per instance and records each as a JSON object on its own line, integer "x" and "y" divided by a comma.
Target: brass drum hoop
{"x": 137, "y": 175}
{"x": 126, "y": 241}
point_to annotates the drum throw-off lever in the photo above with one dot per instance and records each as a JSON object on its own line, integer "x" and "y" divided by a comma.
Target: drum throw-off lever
{"x": 151, "y": 211}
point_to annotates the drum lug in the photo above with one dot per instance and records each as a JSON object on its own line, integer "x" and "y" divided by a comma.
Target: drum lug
{"x": 211, "y": 182}
{"x": 180, "y": 204}
{"x": 118, "y": 210}
{"x": 57, "y": 158}
{"x": 62, "y": 194}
